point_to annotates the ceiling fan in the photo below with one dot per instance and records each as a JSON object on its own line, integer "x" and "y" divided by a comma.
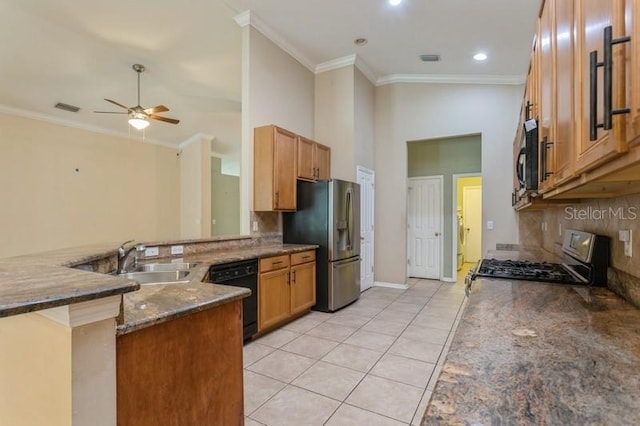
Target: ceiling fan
{"x": 139, "y": 116}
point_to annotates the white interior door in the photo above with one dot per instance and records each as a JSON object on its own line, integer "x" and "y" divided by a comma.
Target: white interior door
{"x": 472, "y": 216}
{"x": 366, "y": 179}
{"x": 424, "y": 221}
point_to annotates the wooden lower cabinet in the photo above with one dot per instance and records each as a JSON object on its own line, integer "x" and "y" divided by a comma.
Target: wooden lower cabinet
{"x": 303, "y": 289}
{"x": 273, "y": 298}
{"x": 186, "y": 371}
{"x": 286, "y": 288}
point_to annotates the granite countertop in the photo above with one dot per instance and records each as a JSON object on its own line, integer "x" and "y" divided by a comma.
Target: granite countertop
{"x": 45, "y": 280}
{"x": 537, "y": 353}
{"x": 157, "y": 303}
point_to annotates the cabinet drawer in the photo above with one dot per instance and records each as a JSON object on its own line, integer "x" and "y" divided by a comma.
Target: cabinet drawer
{"x": 273, "y": 263}
{"x": 303, "y": 257}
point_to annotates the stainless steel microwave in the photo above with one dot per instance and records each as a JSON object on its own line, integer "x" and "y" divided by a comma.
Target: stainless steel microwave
{"x": 527, "y": 161}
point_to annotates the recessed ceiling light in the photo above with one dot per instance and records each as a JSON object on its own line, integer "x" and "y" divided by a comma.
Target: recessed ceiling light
{"x": 479, "y": 56}
{"x": 360, "y": 41}
{"x": 395, "y": 2}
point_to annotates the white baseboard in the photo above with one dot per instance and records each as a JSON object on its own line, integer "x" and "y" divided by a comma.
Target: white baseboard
{"x": 390, "y": 285}
{"x": 448, "y": 280}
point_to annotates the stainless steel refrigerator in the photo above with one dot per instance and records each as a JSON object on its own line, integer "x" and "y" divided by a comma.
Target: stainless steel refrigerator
{"x": 329, "y": 215}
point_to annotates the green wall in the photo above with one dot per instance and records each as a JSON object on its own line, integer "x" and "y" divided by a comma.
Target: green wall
{"x": 225, "y": 201}
{"x": 446, "y": 157}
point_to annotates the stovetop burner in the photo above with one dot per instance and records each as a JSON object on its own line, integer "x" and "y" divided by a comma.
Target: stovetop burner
{"x": 524, "y": 270}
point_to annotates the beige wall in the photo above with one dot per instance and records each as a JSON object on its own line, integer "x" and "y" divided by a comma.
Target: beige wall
{"x": 195, "y": 189}
{"x": 406, "y": 112}
{"x": 334, "y": 119}
{"x": 123, "y": 188}
{"x": 225, "y": 201}
{"x": 38, "y": 366}
{"x": 364, "y": 121}
{"x": 344, "y": 119}
{"x": 276, "y": 89}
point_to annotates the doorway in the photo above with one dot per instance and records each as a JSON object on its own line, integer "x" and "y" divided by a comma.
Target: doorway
{"x": 424, "y": 227}
{"x": 467, "y": 229}
{"x": 366, "y": 179}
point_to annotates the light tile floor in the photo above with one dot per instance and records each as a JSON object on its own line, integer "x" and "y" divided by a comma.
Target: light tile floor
{"x": 374, "y": 362}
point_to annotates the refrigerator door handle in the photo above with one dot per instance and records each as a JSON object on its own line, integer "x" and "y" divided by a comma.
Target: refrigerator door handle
{"x": 349, "y": 217}
{"x": 339, "y": 263}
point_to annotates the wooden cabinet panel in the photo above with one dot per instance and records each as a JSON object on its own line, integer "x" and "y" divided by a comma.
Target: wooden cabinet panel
{"x": 285, "y": 171}
{"x": 187, "y": 371}
{"x": 272, "y": 263}
{"x": 565, "y": 131}
{"x": 323, "y": 162}
{"x": 306, "y": 164}
{"x": 546, "y": 108}
{"x": 274, "y": 169}
{"x": 632, "y": 61}
{"x": 303, "y": 289}
{"x": 274, "y": 298}
{"x": 593, "y": 16}
{"x": 303, "y": 257}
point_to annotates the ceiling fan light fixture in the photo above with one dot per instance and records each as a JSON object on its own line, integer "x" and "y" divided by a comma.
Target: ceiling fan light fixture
{"x": 139, "y": 122}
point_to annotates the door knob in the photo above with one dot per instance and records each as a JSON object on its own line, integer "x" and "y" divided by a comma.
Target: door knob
{"x": 437, "y": 234}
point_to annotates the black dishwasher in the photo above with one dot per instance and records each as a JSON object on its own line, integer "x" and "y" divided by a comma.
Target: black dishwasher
{"x": 241, "y": 274}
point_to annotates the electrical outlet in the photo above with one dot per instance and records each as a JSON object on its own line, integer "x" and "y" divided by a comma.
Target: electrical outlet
{"x": 544, "y": 226}
{"x": 254, "y": 226}
{"x": 151, "y": 251}
{"x": 177, "y": 250}
{"x": 489, "y": 224}
{"x": 559, "y": 230}
{"x": 627, "y": 238}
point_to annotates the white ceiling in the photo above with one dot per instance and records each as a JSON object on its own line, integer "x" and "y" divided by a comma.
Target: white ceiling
{"x": 81, "y": 51}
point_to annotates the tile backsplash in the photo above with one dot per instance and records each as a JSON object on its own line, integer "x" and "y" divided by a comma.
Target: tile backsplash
{"x": 603, "y": 216}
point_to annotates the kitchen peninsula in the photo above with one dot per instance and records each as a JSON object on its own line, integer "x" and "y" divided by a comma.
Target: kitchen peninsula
{"x": 536, "y": 353}
{"x": 65, "y": 324}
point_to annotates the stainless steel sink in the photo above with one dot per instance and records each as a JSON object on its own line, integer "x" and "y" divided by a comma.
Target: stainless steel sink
{"x": 165, "y": 267}
{"x": 159, "y": 277}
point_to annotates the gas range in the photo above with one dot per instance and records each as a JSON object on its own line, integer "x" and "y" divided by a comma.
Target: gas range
{"x": 525, "y": 270}
{"x": 585, "y": 262}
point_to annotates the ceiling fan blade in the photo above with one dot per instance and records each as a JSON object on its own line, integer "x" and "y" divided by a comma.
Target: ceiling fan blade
{"x": 166, "y": 119}
{"x": 116, "y": 103}
{"x": 155, "y": 109}
{"x": 110, "y": 112}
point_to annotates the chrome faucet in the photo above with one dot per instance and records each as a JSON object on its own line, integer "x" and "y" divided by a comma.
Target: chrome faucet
{"x": 124, "y": 255}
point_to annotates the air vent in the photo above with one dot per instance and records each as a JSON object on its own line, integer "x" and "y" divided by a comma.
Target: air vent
{"x": 67, "y": 107}
{"x": 429, "y": 58}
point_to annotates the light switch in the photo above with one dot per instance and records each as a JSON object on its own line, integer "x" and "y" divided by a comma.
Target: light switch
{"x": 177, "y": 250}
{"x": 489, "y": 224}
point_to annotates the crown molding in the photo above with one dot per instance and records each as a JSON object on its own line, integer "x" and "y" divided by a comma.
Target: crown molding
{"x": 76, "y": 125}
{"x": 334, "y": 64}
{"x": 451, "y": 79}
{"x": 250, "y": 18}
{"x": 348, "y": 60}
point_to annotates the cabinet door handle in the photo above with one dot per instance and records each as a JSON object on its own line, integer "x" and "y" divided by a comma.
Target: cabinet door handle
{"x": 277, "y": 200}
{"x": 293, "y": 277}
{"x": 544, "y": 146}
{"x": 609, "y": 112}
{"x": 593, "y": 95}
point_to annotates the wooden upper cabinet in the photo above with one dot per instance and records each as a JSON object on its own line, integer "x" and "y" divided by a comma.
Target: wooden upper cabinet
{"x": 274, "y": 169}
{"x": 565, "y": 127}
{"x": 313, "y": 160}
{"x": 546, "y": 110}
{"x": 632, "y": 70}
{"x": 323, "y": 162}
{"x": 593, "y": 16}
